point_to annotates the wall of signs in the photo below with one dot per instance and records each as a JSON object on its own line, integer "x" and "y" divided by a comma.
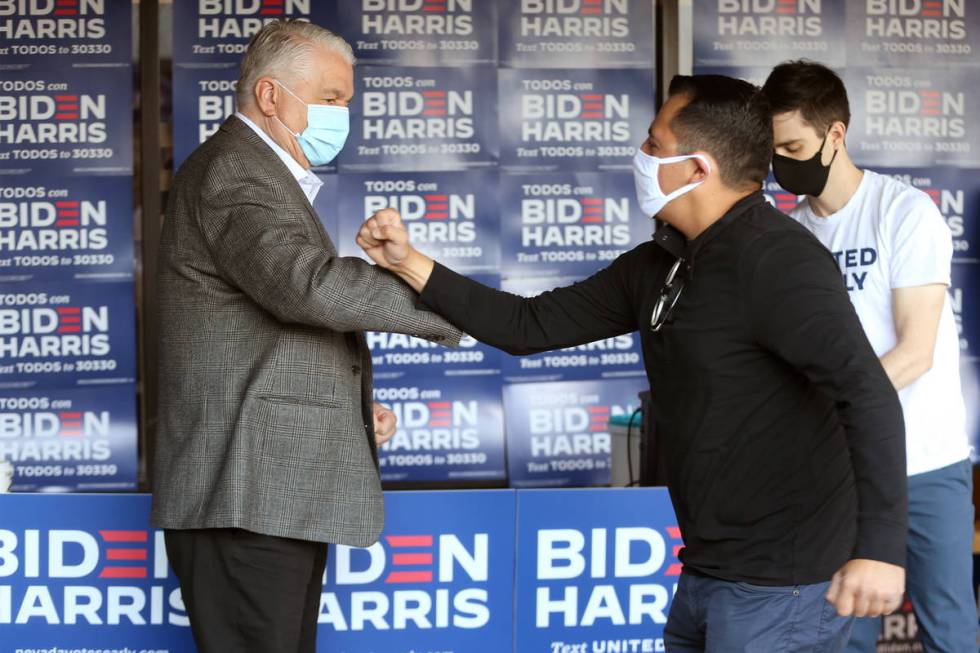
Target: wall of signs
{"x": 503, "y": 132}
{"x": 487, "y": 571}
{"x": 67, "y": 332}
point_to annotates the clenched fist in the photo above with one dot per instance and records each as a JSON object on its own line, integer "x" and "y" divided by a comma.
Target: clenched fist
{"x": 384, "y": 239}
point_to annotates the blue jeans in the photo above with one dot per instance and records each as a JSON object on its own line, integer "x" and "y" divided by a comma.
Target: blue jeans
{"x": 716, "y": 616}
{"x": 940, "y": 564}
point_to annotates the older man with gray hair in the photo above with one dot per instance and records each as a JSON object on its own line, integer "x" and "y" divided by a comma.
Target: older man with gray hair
{"x": 266, "y": 446}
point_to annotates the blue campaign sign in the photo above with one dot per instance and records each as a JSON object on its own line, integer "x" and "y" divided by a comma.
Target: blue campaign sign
{"x": 913, "y": 117}
{"x": 924, "y": 33}
{"x": 956, "y": 193}
{"x": 596, "y": 570}
{"x": 82, "y": 439}
{"x": 612, "y": 358}
{"x": 60, "y": 121}
{"x": 53, "y": 336}
{"x": 218, "y": 31}
{"x": 55, "y": 34}
{"x": 569, "y": 223}
{"x": 451, "y": 216}
{"x": 67, "y": 228}
{"x": 440, "y": 578}
{"x": 419, "y": 32}
{"x": 964, "y": 293}
{"x": 752, "y": 74}
{"x": 202, "y": 98}
{"x": 422, "y": 119}
{"x": 577, "y": 33}
{"x": 574, "y": 119}
{"x": 86, "y": 571}
{"x": 448, "y": 429}
{"x": 766, "y": 32}
{"x": 558, "y": 433}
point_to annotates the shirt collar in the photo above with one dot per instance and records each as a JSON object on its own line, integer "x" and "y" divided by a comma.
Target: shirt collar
{"x": 676, "y": 244}
{"x": 309, "y": 183}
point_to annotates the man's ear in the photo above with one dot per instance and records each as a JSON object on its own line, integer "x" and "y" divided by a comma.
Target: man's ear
{"x": 703, "y": 167}
{"x": 266, "y": 94}
{"x": 837, "y": 134}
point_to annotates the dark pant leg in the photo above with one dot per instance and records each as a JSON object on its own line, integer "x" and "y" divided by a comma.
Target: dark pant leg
{"x": 311, "y": 613}
{"x": 246, "y": 592}
{"x": 684, "y": 632}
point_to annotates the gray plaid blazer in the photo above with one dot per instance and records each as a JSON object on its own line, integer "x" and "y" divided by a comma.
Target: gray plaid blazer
{"x": 265, "y": 411}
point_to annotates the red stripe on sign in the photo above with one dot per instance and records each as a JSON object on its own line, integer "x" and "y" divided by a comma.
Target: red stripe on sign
{"x": 68, "y": 223}
{"x": 123, "y": 572}
{"x": 442, "y": 413}
{"x": 273, "y": 3}
{"x": 674, "y": 532}
{"x": 61, "y": 98}
{"x": 274, "y": 12}
{"x": 925, "y": 12}
{"x": 125, "y": 554}
{"x": 68, "y": 319}
{"x": 70, "y": 415}
{"x": 409, "y": 577}
{"x": 438, "y": 206}
{"x": 591, "y": 200}
{"x": 433, "y": 102}
{"x": 68, "y": 213}
{"x": 66, "y": 116}
{"x": 433, "y": 93}
{"x": 70, "y": 329}
{"x": 67, "y": 106}
{"x": 68, "y": 310}
{"x": 591, "y": 10}
{"x": 123, "y": 536}
{"x": 65, "y": 12}
{"x": 439, "y": 404}
{"x": 929, "y": 93}
{"x": 436, "y": 216}
{"x": 598, "y": 409}
{"x": 930, "y": 112}
{"x": 591, "y": 116}
{"x": 436, "y": 198}
{"x": 674, "y": 569}
{"x": 593, "y": 209}
{"x": 66, "y": 204}
{"x": 592, "y": 96}
{"x": 70, "y": 433}
{"x": 67, "y": 3}
{"x": 434, "y": 112}
{"x": 434, "y": 9}
{"x": 399, "y": 541}
{"x": 71, "y": 425}
{"x": 592, "y": 219}
{"x": 931, "y": 191}
{"x": 440, "y": 424}
{"x": 412, "y": 559}
{"x": 785, "y": 10}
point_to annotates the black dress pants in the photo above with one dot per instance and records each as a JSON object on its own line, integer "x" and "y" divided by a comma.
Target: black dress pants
{"x": 248, "y": 593}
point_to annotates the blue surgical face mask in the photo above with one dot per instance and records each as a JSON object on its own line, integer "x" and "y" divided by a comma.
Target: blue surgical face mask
{"x": 327, "y": 127}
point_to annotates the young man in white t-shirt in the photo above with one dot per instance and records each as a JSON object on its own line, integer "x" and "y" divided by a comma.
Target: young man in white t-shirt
{"x": 894, "y": 251}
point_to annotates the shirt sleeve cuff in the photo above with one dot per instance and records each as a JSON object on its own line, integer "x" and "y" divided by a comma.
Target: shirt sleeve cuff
{"x": 884, "y": 541}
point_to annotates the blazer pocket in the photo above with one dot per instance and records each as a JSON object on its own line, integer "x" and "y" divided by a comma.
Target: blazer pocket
{"x": 324, "y": 402}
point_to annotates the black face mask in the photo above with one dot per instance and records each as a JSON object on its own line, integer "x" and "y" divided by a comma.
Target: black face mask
{"x": 808, "y": 177}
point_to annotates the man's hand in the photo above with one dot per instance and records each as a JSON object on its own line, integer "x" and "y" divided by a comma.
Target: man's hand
{"x": 383, "y": 238}
{"x": 867, "y": 588}
{"x": 385, "y": 424}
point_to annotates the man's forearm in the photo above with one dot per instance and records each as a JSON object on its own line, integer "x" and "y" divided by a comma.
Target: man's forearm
{"x": 904, "y": 365}
{"x": 415, "y": 269}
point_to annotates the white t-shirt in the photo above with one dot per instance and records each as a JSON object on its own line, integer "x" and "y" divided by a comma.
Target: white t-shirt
{"x": 890, "y": 235}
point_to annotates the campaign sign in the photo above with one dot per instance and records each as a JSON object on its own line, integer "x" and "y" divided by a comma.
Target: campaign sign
{"x": 86, "y": 571}
{"x": 620, "y": 356}
{"x": 60, "y": 121}
{"x": 596, "y": 570}
{"x": 766, "y": 32}
{"x": 448, "y": 430}
{"x": 419, "y": 32}
{"x": 914, "y": 116}
{"x": 957, "y": 195}
{"x": 53, "y": 33}
{"x": 558, "y": 433}
{"x": 57, "y": 336}
{"x": 577, "y": 33}
{"x": 218, "y": 31}
{"x": 963, "y": 294}
{"x": 451, "y": 216}
{"x": 929, "y": 33}
{"x": 82, "y": 439}
{"x": 67, "y": 228}
{"x": 778, "y": 196}
{"x": 574, "y": 119}
{"x": 203, "y": 98}
{"x": 756, "y": 75}
{"x": 568, "y": 224}
{"x": 422, "y": 119}
{"x": 439, "y": 579}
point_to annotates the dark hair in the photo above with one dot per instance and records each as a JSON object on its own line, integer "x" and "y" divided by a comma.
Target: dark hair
{"x": 812, "y": 88}
{"x": 729, "y": 118}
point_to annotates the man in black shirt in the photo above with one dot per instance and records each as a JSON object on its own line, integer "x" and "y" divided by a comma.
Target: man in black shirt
{"x": 784, "y": 438}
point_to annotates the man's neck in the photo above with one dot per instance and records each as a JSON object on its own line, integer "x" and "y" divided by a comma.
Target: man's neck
{"x": 277, "y": 132}
{"x": 843, "y": 182}
{"x": 700, "y": 213}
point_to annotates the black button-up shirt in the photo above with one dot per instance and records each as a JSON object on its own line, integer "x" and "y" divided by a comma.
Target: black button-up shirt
{"x": 784, "y": 437}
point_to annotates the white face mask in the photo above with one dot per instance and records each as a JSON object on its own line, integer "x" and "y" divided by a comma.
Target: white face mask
{"x": 648, "y": 192}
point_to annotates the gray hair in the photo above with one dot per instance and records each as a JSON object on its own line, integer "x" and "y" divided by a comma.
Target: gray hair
{"x": 283, "y": 49}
